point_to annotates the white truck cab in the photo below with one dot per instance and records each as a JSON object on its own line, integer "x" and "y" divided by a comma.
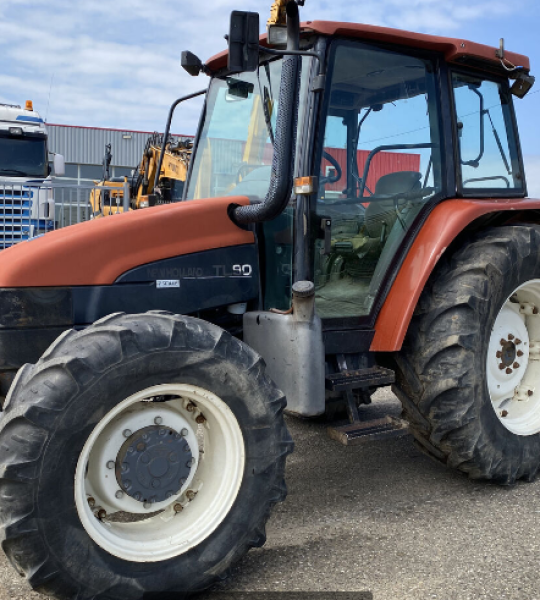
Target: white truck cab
{"x": 26, "y": 204}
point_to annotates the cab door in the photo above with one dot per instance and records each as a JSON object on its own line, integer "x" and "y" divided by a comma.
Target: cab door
{"x": 379, "y": 165}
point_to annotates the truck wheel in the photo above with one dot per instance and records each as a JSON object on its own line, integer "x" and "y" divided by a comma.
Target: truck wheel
{"x": 139, "y": 458}
{"x": 469, "y": 371}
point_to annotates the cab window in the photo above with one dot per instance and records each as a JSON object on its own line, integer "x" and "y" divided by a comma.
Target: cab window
{"x": 380, "y": 164}
{"x": 487, "y": 146}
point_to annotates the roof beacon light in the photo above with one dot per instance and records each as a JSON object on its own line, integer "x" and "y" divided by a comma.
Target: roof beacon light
{"x": 29, "y": 105}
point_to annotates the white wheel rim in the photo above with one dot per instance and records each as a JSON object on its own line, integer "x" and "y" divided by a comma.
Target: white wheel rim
{"x": 513, "y": 361}
{"x": 193, "y": 512}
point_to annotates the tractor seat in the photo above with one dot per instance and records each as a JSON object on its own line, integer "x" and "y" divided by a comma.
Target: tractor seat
{"x": 396, "y": 183}
{"x": 381, "y": 211}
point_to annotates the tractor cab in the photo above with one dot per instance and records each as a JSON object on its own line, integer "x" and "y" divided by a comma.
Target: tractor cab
{"x": 389, "y": 124}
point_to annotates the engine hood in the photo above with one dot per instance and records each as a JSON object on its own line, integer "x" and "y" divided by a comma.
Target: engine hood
{"x": 98, "y": 252}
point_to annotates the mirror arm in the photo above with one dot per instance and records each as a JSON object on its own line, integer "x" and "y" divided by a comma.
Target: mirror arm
{"x": 274, "y": 52}
{"x": 167, "y": 131}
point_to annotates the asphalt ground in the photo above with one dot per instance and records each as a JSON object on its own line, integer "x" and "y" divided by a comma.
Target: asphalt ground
{"x": 383, "y": 518}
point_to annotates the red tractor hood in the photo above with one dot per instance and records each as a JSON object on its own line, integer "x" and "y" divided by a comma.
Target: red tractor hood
{"x": 98, "y": 252}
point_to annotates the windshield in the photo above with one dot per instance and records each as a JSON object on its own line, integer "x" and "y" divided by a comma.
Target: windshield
{"x": 23, "y": 157}
{"x": 235, "y": 149}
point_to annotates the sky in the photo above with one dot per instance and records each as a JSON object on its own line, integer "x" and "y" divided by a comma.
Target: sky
{"x": 117, "y": 63}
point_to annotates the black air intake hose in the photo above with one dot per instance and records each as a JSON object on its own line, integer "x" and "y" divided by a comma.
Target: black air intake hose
{"x": 281, "y": 179}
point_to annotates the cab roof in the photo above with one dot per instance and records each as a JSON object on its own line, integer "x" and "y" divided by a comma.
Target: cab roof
{"x": 455, "y": 50}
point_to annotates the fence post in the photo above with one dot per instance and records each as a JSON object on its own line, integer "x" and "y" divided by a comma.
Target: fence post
{"x": 126, "y": 198}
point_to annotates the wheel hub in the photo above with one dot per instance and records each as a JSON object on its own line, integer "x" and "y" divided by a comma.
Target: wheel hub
{"x": 507, "y": 353}
{"x": 153, "y": 464}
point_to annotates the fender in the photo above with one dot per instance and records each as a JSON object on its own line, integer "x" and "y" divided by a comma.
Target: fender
{"x": 98, "y": 252}
{"x": 447, "y": 220}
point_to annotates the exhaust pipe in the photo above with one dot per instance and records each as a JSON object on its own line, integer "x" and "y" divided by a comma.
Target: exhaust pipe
{"x": 281, "y": 180}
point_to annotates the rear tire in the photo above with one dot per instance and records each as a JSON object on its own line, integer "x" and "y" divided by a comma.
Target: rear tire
{"x": 58, "y": 409}
{"x": 449, "y": 375}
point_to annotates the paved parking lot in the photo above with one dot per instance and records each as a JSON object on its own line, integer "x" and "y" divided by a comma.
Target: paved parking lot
{"x": 385, "y": 518}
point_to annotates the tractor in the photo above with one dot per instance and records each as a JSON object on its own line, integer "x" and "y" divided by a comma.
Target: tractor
{"x": 355, "y": 215}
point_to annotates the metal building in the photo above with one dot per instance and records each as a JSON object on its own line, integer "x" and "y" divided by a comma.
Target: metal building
{"x": 84, "y": 147}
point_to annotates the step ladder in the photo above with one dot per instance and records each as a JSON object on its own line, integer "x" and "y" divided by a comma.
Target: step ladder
{"x": 357, "y": 431}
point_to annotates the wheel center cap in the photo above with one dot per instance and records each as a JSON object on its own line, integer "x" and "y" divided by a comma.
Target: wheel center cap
{"x": 153, "y": 464}
{"x": 508, "y": 353}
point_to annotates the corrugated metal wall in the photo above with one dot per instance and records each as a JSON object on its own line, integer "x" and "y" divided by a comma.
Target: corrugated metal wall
{"x": 86, "y": 145}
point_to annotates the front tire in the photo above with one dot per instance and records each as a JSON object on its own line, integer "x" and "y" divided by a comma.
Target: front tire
{"x": 470, "y": 391}
{"x": 140, "y": 456}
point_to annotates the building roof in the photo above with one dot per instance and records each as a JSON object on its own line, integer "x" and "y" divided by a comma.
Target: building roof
{"x": 86, "y": 145}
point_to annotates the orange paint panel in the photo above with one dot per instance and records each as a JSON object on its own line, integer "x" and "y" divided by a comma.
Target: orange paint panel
{"x": 442, "y": 226}
{"x": 98, "y": 252}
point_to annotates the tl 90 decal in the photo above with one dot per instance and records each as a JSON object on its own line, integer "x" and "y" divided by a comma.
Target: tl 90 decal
{"x": 243, "y": 270}
{"x": 237, "y": 271}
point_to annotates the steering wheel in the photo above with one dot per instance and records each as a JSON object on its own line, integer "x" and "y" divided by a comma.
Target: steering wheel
{"x": 336, "y": 166}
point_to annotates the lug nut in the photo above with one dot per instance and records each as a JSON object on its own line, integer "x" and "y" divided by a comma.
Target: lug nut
{"x": 201, "y": 419}
{"x": 178, "y": 508}
{"x": 91, "y": 502}
{"x": 190, "y": 407}
{"x": 498, "y": 354}
{"x": 190, "y": 494}
{"x": 519, "y": 353}
{"x": 510, "y": 336}
{"x": 158, "y": 420}
{"x": 184, "y": 432}
{"x": 110, "y": 464}
{"x": 126, "y": 433}
{"x": 119, "y": 494}
{"x": 517, "y": 342}
{"x": 101, "y": 514}
{"x": 503, "y": 342}
{"x": 516, "y": 365}
{"x": 530, "y": 393}
{"x": 190, "y": 463}
{"x": 504, "y": 413}
{"x": 508, "y": 371}
{"x": 501, "y": 366}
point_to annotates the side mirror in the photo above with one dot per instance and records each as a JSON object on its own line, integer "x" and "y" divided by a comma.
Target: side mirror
{"x": 59, "y": 165}
{"x": 243, "y": 41}
{"x": 191, "y": 63}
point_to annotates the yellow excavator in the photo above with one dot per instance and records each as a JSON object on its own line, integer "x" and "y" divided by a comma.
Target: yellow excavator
{"x": 144, "y": 190}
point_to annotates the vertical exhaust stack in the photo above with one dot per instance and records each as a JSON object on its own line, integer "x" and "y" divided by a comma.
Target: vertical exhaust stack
{"x": 281, "y": 180}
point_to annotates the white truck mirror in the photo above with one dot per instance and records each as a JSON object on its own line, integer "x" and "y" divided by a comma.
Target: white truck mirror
{"x": 59, "y": 165}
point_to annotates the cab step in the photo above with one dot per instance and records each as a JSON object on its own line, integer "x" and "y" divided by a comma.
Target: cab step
{"x": 362, "y": 432}
{"x": 361, "y": 378}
